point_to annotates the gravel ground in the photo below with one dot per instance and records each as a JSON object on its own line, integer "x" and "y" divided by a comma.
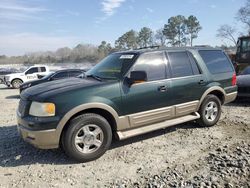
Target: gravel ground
{"x": 180, "y": 156}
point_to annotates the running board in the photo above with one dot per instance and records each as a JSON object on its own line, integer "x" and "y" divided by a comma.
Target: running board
{"x": 145, "y": 129}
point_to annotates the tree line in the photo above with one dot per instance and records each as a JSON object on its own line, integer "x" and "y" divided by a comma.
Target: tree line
{"x": 178, "y": 31}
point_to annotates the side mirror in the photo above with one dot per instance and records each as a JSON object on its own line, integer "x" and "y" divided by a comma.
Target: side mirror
{"x": 137, "y": 77}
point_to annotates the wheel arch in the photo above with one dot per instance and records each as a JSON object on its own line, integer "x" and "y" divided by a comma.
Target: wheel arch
{"x": 215, "y": 90}
{"x": 16, "y": 79}
{"x": 98, "y": 108}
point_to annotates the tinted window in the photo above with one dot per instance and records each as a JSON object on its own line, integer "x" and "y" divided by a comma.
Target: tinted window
{"x": 153, "y": 64}
{"x": 43, "y": 69}
{"x": 74, "y": 73}
{"x": 194, "y": 64}
{"x": 32, "y": 70}
{"x": 180, "y": 64}
{"x": 245, "y": 45}
{"x": 60, "y": 75}
{"x": 216, "y": 61}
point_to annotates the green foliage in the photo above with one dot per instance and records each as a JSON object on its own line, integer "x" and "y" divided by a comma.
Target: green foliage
{"x": 175, "y": 30}
{"x": 104, "y": 49}
{"x": 145, "y": 37}
{"x": 127, "y": 41}
{"x": 192, "y": 28}
{"x": 180, "y": 31}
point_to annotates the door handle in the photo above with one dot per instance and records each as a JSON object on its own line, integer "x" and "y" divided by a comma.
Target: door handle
{"x": 201, "y": 82}
{"x": 162, "y": 88}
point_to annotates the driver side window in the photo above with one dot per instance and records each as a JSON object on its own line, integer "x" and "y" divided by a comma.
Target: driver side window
{"x": 153, "y": 64}
{"x": 32, "y": 70}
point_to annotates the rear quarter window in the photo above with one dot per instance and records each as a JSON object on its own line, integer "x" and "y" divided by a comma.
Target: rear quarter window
{"x": 216, "y": 61}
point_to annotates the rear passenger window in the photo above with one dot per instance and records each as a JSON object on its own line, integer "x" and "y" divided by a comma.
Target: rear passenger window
{"x": 153, "y": 64}
{"x": 216, "y": 61}
{"x": 43, "y": 69}
{"x": 180, "y": 64}
{"x": 194, "y": 64}
{"x": 74, "y": 73}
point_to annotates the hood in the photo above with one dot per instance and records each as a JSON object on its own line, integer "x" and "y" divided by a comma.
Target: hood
{"x": 34, "y": 82}
{"x": 56, "y": 87}
{"x": 243, "y": 80}
{"x": 15, "y": 74}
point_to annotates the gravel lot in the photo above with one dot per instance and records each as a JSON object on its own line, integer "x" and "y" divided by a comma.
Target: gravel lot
{"x": 180, "y": 156}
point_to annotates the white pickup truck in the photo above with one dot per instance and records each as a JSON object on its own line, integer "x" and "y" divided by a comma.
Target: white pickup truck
{"x": 32, "y": 73}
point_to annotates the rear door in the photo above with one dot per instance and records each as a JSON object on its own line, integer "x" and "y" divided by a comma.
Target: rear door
{"x": 188, "y": 81}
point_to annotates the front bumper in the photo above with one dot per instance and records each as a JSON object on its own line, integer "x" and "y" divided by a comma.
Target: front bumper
{"x": 43, "y": 139}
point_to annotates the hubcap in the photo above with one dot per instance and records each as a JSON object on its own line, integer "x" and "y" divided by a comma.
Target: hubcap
{"x": 211, "y": 111}
{"x": 89, "y": 139}
{"x": 17, "y": 84}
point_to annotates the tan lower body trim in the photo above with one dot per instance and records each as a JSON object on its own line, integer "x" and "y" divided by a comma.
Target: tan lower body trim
{"x": 156, "y": 115}
{"x": 145, "y": 129}
{"x": 230, "y": 97}
{"x": 46, "y": 139}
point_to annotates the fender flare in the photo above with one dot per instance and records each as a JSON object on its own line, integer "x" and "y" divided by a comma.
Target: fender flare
{"x": 83, "y": 107}
{"x": 211, "y": 89}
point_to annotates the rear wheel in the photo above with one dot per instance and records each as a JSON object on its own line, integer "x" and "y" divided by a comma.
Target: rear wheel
{"x": 87, "y": 137}
{"x": 210, "y": 111}
{"x": 16, "y": 83}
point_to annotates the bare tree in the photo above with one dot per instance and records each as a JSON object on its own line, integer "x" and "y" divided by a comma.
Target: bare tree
{"x": 243, "y": 15}
{"x": 227, "y": 32}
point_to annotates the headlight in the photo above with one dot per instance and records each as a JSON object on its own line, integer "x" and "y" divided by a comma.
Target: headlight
{"x": 24, "y": 86}
{"x": 42, "y": 109}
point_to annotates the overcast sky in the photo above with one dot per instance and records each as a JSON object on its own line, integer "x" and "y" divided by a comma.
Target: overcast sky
{"x": 40, "y": 25}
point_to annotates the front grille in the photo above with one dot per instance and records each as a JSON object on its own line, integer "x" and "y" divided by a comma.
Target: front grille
{"x": 23, "y": 107}
{"x": 244, "y": 89}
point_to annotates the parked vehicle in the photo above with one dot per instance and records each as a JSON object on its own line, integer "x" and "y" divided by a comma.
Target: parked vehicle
{"x": 60, "y": 74}
{"x": 127, "y": 94}
{"x": 32, "y": 73}
{"x": 4, "y": 72}
{"x": 243, "y": 82}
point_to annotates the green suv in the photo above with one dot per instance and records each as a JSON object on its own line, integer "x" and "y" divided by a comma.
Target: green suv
{"x": 127, "y": 94}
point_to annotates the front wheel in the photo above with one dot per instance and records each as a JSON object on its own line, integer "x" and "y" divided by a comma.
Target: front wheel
{"x": 210, "y": 111}
{"x": 87, "y": 137}
{"x": 16, "y": 83}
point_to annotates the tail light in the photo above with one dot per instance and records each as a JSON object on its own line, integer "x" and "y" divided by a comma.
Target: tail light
{"x": 234, "y": 80}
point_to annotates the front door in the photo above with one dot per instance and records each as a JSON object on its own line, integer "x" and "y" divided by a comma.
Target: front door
{"x": 148, "y": 102}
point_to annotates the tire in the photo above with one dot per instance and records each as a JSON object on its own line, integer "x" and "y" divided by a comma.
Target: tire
{"x": 87, "y": 137}
{"x": 1, "y": 81}
{"x": 16, "y": 83}
{"x": 210, "y": 111}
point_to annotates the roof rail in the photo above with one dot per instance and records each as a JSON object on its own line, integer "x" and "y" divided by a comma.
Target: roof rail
{"x": 205, "y": 45}
{"x": 149, "y": 47}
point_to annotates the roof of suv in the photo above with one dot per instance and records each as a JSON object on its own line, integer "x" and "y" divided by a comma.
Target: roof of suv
{"x": 144, "y": 50}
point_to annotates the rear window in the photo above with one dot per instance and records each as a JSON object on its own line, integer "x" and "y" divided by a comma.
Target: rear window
{"x": 216, "y": 61}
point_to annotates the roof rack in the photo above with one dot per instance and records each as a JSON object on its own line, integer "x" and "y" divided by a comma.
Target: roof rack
{"x": 205, "y": 45}
{"x": 149, "y": 47}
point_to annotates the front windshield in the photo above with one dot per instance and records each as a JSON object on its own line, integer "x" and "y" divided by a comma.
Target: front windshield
{"x": 112, "y": 67}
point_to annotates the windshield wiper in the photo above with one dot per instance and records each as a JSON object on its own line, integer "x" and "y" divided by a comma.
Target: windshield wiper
{"x": 95, "y": 77}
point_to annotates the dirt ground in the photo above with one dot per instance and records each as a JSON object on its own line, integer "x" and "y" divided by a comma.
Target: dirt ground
{"x": 180, "y": 156}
